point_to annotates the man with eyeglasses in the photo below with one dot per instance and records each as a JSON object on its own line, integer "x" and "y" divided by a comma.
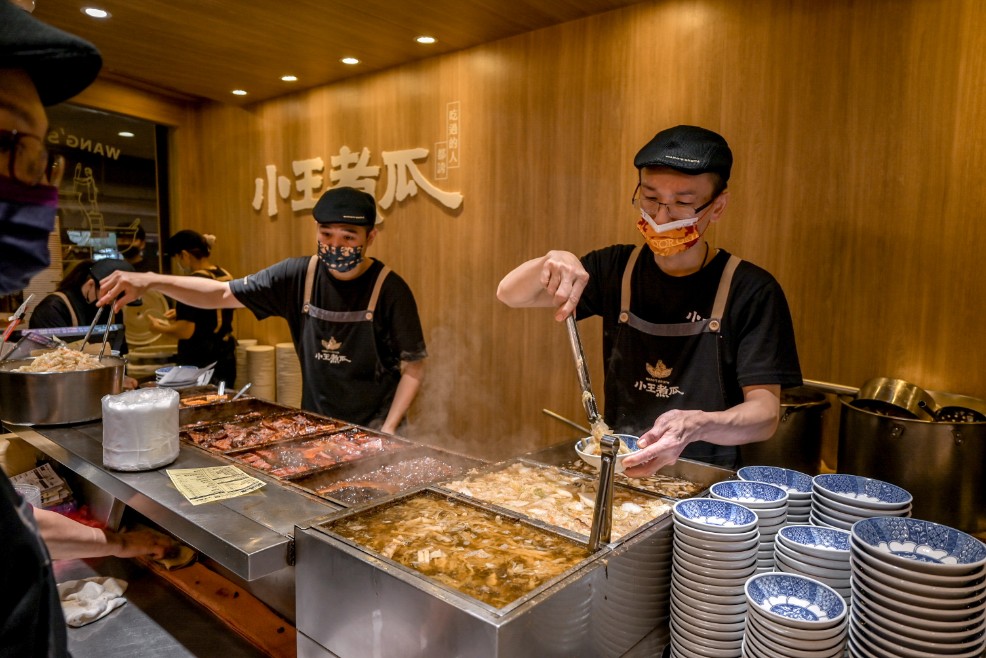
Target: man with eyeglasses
{"x": 39, "y": 66}
{"x": 697, "y": 344}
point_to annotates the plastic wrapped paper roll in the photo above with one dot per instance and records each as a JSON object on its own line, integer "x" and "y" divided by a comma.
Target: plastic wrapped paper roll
{"x": 262, "y": 372}
{"x": 140, "y": 429}
{"x": 241, "y": 361}
{"x": 288, "y": 375}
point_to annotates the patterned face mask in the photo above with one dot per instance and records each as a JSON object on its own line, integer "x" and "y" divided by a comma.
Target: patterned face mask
{"x": 340, "y": 259}
{"x": 671, "y": 238}
{"x": 27, "y": 217}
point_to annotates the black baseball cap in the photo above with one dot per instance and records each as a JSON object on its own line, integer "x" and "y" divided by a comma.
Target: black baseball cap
{"x": 688, "y": 149}
{"x": 346, "y": 205}
{"x": 60, "y": 64}
{"x": 103, "y": 268}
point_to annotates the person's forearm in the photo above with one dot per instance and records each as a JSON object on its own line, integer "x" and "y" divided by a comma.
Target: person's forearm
{"x": 67, "y": 539}
{"x": 407, "y": 390}
{"x": 522, "y": 287}
{"x": 194, "y": 290}
{"x": 754, "y": 419}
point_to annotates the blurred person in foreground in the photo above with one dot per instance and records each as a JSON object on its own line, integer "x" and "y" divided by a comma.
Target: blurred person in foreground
{"x": 697, "y": 344}
{"x": 204, "y": 335}
{"x": 354, "y": 322}
{"x": 39, "y": 66}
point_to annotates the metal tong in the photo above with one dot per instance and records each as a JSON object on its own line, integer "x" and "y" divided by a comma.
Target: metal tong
{"x": 99, "y": 312}
{"x": 15, "y": 320}
{"x": 602, "y": 512}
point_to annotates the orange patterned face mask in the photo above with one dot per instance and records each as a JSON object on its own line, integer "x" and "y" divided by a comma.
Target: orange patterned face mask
{"x": 671, "y": 238}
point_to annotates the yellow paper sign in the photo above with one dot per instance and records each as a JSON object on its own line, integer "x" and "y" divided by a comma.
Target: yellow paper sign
{"x": 204, "y": 485}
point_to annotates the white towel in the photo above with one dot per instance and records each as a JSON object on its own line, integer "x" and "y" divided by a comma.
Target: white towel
{"x": 84, "y": 601}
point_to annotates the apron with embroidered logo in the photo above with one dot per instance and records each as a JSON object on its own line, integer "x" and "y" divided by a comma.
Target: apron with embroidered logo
{"x": 654, "y": 368}
{"x": 343, "y": 375}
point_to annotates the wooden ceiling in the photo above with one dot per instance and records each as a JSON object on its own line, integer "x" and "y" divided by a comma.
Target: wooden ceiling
{"x": 204, "y": 49}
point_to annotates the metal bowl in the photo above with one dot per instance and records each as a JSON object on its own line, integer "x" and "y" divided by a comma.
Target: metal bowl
{"x": 57, "y": 398}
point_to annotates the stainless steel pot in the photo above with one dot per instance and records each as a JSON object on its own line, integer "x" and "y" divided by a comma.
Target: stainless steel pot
{"x": 942, "y": 464}
{"x": 896, "y": 397}
{"x": 797, "y": 443}
{"x": 57, "y": 398}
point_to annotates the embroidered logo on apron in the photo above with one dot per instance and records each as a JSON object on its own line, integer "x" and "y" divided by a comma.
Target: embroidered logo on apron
{"x": 331, "y": 353}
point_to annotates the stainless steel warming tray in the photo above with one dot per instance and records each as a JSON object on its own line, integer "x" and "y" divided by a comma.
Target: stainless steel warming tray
{"x": 216, "y": 412}
{"x": 256, "y": 430}
{"x": 377, "y": 477}
{"x": 354, "y": 602}
{"x": 701, "y": 474}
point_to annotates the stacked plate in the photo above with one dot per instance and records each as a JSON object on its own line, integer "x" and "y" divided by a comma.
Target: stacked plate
{"x": 185, "y": 376}
{"x": 918, "y": 590}
{"x": 793, "y": 616}
{"x": 714, "y": 552}
{"x": 816, "y": 552}
{"x": 795, "y": 483}
{"x": 838, "y": 500}
{"x": 768, "y": 502}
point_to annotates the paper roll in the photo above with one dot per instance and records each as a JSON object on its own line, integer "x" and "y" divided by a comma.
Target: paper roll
{"x": 261, "y": 371}
{"x": 241, "y": 361}
{"x": 288, "y": 375}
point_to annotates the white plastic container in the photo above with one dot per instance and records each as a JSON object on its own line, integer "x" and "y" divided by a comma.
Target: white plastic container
{"x": 140, "y": 429}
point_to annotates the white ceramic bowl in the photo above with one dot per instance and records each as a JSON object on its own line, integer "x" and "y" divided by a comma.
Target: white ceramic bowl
{"x": 823, "y": 542}
{"x": 596, "y": 460}
{"x": 837, "y": 506}
{"x": 794, "y": 482}
{"x": 861, "y": 491}
{"x": 714, "y": 515}
{"x": 795, "y": 601}
{"x": 920, "y": 545}
{"x": 836, "y": 579}
{"x": 720, "y": 606}
{"x": 754, "y": 495}
{"x": 715, "y": 556}
{"x": 905, "y": 572}
{"x": 789, "y": 647}
{"x": 841, "y": 564}
{"x": 893, "y": 606}
{"x": 704, "y": 630}
{"x": 683, "y": 529}
{"x": 901, "y": 647}
{"x": 936, "y": 592}
{"x": 821, "y": 518}
{"x": 897, "y": 626}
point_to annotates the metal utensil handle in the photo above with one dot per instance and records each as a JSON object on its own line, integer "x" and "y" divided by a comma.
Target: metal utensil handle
{"x": 827, "y": 387}
{"x": 242, "y": 391}
{"x": 602, "y": 514}
{"x": 92, "y": 326}
{"x": 102, "y": 348}
{"x": 588, "y": 399}
{"x": 572, "y": 423}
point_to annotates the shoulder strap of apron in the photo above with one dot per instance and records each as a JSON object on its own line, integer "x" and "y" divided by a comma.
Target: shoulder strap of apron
{"x": 71, "y": 311}
{"x": 625, "y": 289}
{"x": 310, "y": 280}
{"x": 722, "y": 294}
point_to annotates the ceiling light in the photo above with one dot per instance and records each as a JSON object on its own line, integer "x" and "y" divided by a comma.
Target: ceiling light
{"x": 425, "y": 39}
{"x": 289, "y": 78}
{"x": 125, "y": 133}
{"x": 349, "y": 60}
{"x": 239, "y": 92}
{"x": 95, "y": 12}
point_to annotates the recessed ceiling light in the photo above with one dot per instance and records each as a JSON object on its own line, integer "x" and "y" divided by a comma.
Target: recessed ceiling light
{"x": 289, "y": 78}
{"x": 425, "y": 39}
{"x": 95, "y": 12}
{"x": 349, "y": 60}
{"x": 239, "y": 92}
{"x": 125, "y": 133}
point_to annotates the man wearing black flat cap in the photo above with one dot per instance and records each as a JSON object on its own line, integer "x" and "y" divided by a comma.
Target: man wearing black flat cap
{"x": 697, "y": 344}
{"x": 354, "y": 322}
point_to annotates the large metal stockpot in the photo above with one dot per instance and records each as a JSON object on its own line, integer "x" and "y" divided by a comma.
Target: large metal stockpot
{"x": 797, "y": 443}
{"x": 57, "y": 398}
{"x": 941, "y": 464}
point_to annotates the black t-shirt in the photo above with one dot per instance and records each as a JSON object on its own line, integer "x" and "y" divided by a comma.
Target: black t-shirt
{"x": 212, "y": 338}
{"x": 757, "y": 330}
{"x": 31, "y": 619}
{"x": 278, "y": 290}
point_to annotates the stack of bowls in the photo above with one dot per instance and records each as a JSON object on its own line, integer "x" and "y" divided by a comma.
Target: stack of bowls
{"x": 714, "y": 552}
{"x": 795, "y": 483}
{"x": 794, "y": 617}
{"x": 768, "y": 502}
{"x": 816, "y": 552}
{"x": 838, "y": 500}
{"x": 186, "y": 376}
{"x": 918, "y": 590}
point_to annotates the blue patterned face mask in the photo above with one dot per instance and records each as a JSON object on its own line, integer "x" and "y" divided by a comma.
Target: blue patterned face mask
{"x": 340, "y": 259}
{"x": 27, "y": 217}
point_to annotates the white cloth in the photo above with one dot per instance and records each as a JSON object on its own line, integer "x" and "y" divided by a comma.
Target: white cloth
{"x": 84, "y": 601}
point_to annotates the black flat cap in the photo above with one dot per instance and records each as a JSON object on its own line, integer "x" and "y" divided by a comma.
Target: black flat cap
{"x": 103, "y": 268}
{"x": 60, "y": 64}
{"x": 346, "y": 205}
{"x": 689, "y": 149}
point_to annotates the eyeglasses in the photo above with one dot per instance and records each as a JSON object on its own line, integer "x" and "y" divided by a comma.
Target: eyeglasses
{"x": 28, "y": 161}
{"x": 675, "y": 211}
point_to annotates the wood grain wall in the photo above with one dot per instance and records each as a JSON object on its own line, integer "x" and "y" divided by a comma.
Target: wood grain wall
{"x": 857, "y": 129}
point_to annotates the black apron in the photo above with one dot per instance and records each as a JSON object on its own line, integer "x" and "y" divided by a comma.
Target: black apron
{"x": 654, "y": 368}
{"x": 343, "y": 375}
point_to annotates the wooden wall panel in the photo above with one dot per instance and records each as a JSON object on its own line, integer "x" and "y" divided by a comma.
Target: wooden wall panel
{"x": 857, "y": 131}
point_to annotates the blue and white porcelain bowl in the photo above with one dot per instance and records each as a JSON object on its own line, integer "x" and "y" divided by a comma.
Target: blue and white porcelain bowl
{"x": 825, "y": 543}
{"x": 595, "y": 460}
{"x": 755, "y": 495}
{"x": 861, "y": 492}
{"x": 714, "y": 515}
{"x": 794, "y": 601}
{"x": 796, "y": 483}
{"x": 919, "y": 545}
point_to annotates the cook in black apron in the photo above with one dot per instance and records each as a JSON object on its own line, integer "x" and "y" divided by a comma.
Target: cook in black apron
{"x": 654, "y": 368}
{"x": 344, "y": 377}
